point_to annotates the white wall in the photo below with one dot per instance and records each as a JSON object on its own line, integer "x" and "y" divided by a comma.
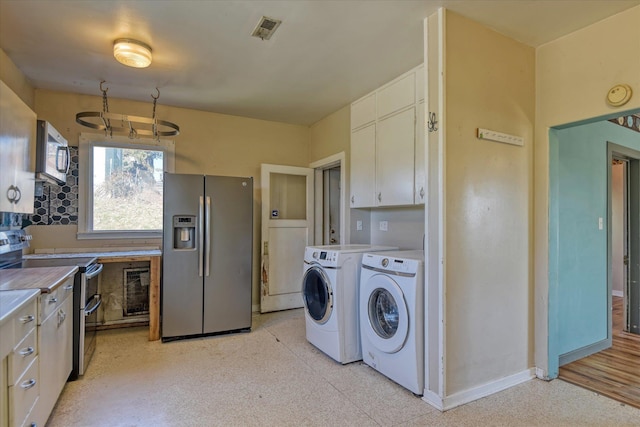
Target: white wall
{"x": 405, "y": 227}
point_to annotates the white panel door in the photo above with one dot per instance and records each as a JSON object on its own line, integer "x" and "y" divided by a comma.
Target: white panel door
{"x": 287, "y": 228}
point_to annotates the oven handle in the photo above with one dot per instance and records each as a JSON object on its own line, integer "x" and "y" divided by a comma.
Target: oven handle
{"x": 90, "y": 311}
{"x": 94, "y": 271}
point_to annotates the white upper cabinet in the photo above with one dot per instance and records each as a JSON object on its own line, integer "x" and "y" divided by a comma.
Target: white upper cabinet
{"x": 363, "y": 111}
{"x": 395, "y": 159}
{"x": 385, "y": 129}
{"x": 420, "y": 80}
{"x": 396, "y": 95}
{"x": 17, "y": 133}
{"x": 420, "y": 159}
{"x": 363, "y": 170}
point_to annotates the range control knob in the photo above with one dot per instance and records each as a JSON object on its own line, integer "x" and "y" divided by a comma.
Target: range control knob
{"x": 385, "y": 262}
{"x": 315, "y": 255}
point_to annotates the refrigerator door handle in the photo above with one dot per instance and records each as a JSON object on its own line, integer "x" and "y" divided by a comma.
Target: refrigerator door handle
{"x": 200, "y": 234}
{"x": 207, "y": 256}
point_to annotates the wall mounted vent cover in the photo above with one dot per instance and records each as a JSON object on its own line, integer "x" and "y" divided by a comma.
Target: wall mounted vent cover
{"x": 266, "y": 27}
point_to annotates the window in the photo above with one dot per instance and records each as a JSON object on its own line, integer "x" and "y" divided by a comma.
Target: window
{"x": 121, "y": 186}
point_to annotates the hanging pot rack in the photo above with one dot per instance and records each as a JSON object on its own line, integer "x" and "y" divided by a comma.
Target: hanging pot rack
{"x": 133, "y": 126}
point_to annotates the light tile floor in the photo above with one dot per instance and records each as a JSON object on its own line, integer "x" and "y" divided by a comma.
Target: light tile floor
{"x": 273, "y": 377}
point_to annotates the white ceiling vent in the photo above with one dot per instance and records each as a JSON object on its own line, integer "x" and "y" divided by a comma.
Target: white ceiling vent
{"x": 266, "y": 27}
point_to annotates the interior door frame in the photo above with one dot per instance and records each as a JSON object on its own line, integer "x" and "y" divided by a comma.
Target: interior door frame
{"x": 319, "y": 167}
{"x": 632, "y": 214}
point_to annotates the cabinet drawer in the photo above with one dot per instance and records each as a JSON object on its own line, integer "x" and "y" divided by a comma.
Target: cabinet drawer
{"x": 397, "y": 95}
{"x": 22, "y": 356}
{"x": 51, "y": 301}
{"x": 24, "y": 393}
{"x": 363, "y": 111}
{"x": 25, "y": 320}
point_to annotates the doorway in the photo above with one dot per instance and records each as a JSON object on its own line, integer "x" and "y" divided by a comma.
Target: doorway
{"x": 624, "y": 243}
{"x": 332, "y": 226}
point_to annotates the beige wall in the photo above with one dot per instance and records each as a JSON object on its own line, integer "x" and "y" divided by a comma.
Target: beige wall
{"x": 13, "y": 77}
{"x": 331, "y": 135}
{"x": 208, "y": 143}
{"x": 573, "y": 76}
{"x": 490, "y": 83}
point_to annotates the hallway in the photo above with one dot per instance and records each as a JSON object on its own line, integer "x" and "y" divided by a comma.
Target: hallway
{"x": 614, "y": 372}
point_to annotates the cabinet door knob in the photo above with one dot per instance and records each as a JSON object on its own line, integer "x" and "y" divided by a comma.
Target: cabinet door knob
{"x": 352, "y": 199}
{"x": 28, "y": 384}
{"x": 422, "y": 192}
{"x": 379, "y": 197}
{"x": 26, "y": 351}
{"x": 11, "y": 193}
{"x": 27, "y": 319}
{"x": 18, "y": 195}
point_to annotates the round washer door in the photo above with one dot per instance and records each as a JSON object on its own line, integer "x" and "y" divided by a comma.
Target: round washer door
{"x": 317, "y": 294}
{"x": 383, "y": 307}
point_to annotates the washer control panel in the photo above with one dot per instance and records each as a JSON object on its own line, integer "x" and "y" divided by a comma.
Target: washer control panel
{"x": 398, "y": 262}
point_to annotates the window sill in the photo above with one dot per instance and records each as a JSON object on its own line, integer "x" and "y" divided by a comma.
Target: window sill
{"x": 132, "y": 235}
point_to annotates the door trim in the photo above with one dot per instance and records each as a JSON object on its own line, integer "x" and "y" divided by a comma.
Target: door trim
{"x": 319, "y": 166}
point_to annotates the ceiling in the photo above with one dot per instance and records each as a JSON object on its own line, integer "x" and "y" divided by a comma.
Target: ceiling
{"x": 324, "y": 55}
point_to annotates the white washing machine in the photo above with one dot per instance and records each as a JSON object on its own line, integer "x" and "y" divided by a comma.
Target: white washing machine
{"x": 392, "y": 316}
{"x": 330, "y": 294}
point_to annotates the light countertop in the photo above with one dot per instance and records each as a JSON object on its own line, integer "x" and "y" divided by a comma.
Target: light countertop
{"x": 44, "y": 279}
{"x": 12, "y": 301}
{"x": 105, "y": 254}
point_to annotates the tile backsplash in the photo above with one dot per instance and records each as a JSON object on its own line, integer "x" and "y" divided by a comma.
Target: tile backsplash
{"x": 58, "y": 204}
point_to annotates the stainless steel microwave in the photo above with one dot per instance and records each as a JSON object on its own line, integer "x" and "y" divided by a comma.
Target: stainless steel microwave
{"x": 52, "y": 155}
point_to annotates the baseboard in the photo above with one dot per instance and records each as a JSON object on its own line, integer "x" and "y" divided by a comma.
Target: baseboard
{"x": 255, "y": 308}
{"x": 542, "y": 374}
{"x": 578, "y": 354}
{"x": 433, "y": 399}
{"x": 487, "y": 389}
{"x": 617, "y": 293}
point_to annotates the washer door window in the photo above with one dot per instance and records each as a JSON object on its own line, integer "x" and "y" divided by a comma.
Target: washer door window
{"x": 317, "y": 294}
{"x": 388, "y": 320}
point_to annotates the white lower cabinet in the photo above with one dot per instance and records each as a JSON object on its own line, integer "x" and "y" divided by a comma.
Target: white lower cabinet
{"x": 55, "y": 346}
{"x": 20, "y": 368}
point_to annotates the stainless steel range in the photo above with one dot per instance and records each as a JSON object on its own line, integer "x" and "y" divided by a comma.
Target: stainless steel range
{"x": 86, "y": 298}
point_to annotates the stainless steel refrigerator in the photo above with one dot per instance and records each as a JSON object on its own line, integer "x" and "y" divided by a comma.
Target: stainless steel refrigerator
{"x": 207, "y": 255}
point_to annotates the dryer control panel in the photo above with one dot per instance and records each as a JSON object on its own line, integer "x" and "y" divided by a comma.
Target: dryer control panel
{"x": 406, "y": 262}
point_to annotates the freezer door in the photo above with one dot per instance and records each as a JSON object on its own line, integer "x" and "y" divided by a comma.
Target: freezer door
{"x": 181, "y": 278}
{"x": 227, "y": 286}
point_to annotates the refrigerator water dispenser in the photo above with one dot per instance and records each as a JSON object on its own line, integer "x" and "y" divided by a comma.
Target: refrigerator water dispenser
{"x": 184, "y": 232}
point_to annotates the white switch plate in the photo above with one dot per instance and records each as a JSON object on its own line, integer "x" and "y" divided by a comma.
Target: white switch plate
{"x": 492, "y": 135}
{"x": 384, "y": 225}
{"x": 600, "y": 223}
{"x": 358, "y": 225}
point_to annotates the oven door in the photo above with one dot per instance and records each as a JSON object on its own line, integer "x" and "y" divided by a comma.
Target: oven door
{"x": 89, "y": 315}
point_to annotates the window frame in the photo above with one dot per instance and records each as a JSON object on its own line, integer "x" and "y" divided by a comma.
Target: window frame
{"x": 87, "y": 141}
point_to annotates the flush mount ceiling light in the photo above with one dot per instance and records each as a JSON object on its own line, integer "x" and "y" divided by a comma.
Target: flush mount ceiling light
{"x": 132, "y": 53}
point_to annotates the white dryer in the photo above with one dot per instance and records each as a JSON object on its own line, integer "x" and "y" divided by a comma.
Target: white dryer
{"x": 392, "y": 316}
{"x": 330, "y": 294}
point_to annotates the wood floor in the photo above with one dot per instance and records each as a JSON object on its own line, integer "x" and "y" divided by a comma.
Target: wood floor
{"x": 614, "y": 372}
